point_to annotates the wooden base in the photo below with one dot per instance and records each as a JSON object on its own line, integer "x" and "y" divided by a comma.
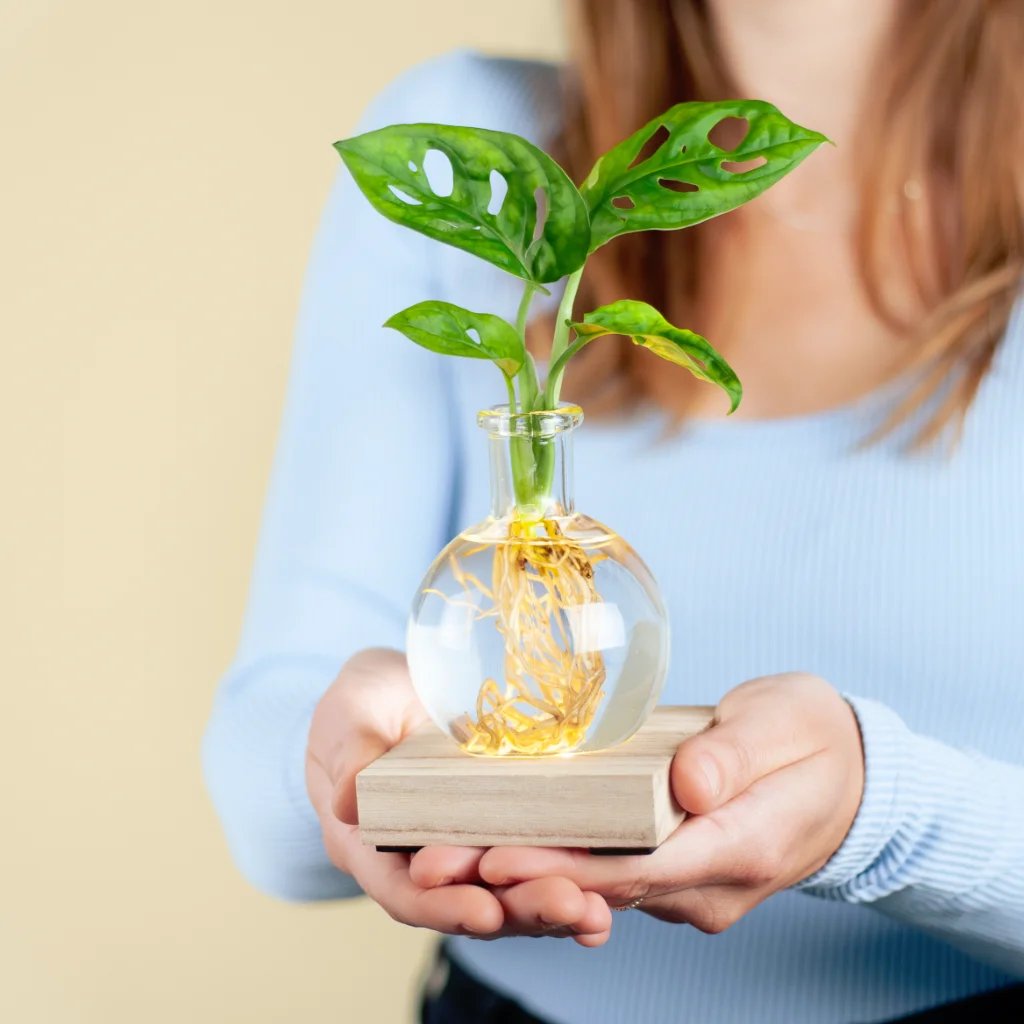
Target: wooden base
{"x": 428, "y": 792}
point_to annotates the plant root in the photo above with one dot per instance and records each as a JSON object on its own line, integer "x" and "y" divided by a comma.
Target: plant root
{"x": 551, "y": 692}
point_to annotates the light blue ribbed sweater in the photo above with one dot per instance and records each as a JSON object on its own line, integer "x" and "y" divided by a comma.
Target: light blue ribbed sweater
{"x": 779, "y": 545}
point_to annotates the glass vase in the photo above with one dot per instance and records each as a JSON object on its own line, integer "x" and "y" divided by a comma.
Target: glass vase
{"x": 538, "y": 631}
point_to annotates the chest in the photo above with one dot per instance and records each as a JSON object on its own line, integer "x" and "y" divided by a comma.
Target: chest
{"x": 896, "y": 579}
{"x": 788, "y": 309}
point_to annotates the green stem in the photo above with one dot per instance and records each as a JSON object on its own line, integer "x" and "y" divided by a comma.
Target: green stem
{"x": 529, "y": 495}
{"x": 533, "y": 462}
{"x": 524, "y": 309}
{"x": 558, "y": 366}
{"x": 522, "y": 459}
{"x": 533, "y": 459}
{"x": 529, "y": 386}
{"x": 560, "y": 344}
{"x": 521, "y": 451}
{"x": 511, "y": 394}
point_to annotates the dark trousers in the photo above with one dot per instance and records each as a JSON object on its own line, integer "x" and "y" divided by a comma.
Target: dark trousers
{"x": 452, "y": 995}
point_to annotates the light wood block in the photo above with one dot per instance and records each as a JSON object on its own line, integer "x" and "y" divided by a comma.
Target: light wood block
{"x": 428, "y": 792}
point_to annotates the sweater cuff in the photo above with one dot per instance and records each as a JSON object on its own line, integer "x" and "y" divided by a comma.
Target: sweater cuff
{"x": 886, "y": 740}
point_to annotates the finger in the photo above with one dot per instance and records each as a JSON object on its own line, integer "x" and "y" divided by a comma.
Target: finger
{"x": 760, "y": 727}
{"x": 595, "y": 929}
{"x": 452, "y": 910}
{"x": 710, "y": 910}
{"x": 357, "y": 722}
{"x": 512, "y": 865}
{"x": 362, "y": 748}
{"x": 364, "y": 743}
{"x": 528, "y": 911}
{"x": 434, "y": 866}
{"x": 320, "y": 788}
{"x": 597, "y": 919}
{"x": 697, "y": 853}
{"x": 542, "y": 905}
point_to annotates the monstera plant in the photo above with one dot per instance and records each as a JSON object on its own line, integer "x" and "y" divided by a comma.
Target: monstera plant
{"x": 542, "y": 673}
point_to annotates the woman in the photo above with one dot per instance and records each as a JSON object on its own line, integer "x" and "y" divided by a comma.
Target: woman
{"x": 858, "y": 837}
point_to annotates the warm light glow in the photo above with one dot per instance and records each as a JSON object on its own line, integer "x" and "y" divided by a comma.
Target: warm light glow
{"x": 541, "y": 582}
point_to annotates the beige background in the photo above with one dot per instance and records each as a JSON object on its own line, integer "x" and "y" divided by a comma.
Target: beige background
{"x": 162, "y": 166}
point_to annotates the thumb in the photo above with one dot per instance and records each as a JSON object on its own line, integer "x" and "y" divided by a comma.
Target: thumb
{"x": 366, "y": 739}
{"x": 369, "y": 708}
{"x": 758, "y": 729}
{"x": 362, "y": 747}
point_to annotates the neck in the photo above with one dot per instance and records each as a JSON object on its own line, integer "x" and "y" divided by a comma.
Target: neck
{"x": 812, "y": 58}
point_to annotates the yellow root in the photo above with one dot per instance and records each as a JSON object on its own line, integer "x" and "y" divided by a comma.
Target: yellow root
{"x": 551, "y": 693}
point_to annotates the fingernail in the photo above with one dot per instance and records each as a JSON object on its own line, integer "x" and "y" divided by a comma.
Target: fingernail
{"x": 709, "y": 767}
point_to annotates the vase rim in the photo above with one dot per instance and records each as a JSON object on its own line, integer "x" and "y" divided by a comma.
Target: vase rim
{"x": 498, "y": 421}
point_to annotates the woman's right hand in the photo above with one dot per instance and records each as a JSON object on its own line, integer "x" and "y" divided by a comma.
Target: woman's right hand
{"x": 368, "y": 709}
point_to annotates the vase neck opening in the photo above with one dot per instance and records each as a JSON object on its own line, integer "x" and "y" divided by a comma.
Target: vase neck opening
{"x": 531, "y": 461}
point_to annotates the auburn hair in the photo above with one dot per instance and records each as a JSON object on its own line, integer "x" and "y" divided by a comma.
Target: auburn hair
{"x": 949, "y": 104}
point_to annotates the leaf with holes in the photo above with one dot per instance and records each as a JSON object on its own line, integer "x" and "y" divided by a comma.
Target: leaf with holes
{"x": 644, "y": 325}
{"x": 688, "y": 179}
{"x": 388, "y": 166}
{"x": 448, "y": 329}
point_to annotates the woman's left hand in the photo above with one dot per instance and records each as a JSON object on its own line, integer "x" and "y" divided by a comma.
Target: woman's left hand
{"x": 773, "y": 788}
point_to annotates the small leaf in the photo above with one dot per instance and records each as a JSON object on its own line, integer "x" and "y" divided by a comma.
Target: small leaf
{"x": 688, "y": 179}
{"x": 454, "y": 331}
{"x": 388, "y": 166}
{"x": 644, "y": 325}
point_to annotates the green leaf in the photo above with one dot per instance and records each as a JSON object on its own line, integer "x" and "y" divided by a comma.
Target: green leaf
{"x": 393, "y": 158}
{"x": 644, "y": 325}
{"x": 687, "y": 156}
{"x": 445, "y": 328}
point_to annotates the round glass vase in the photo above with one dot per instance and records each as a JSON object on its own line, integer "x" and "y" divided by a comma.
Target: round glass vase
{"x": 538, "y": 631}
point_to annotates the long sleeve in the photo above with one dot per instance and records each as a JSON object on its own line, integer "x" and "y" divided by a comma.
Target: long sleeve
{"x": 938, "y": 842}
{"x": 359, "y": 503}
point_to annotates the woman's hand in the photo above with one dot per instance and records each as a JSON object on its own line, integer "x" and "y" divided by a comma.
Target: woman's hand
{"x": 370, "y": 708}
{"x": 773, "y": 786}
